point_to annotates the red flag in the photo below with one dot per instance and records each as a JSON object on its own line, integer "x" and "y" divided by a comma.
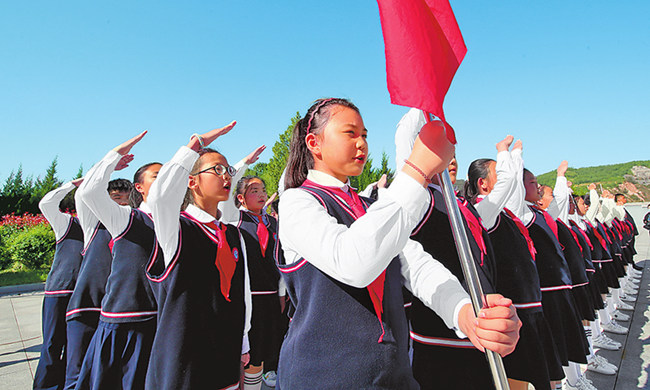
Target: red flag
{"x": 424, "y": 48}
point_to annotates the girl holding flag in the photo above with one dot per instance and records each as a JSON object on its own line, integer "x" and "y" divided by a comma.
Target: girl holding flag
{"x": 346, "y": 260}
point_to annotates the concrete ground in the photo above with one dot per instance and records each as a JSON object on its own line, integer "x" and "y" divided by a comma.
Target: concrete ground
{"x": 20, "y": 331}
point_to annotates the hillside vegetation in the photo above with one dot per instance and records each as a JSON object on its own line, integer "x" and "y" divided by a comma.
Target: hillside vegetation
{"x": 631, "y": 179}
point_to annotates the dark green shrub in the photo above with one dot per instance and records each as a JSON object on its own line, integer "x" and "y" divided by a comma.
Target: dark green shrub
{"x": 5, "y": 239}
{"x": 33, "y": 248}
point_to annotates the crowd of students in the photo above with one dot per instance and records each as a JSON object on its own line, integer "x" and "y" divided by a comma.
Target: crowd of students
{"x": 191, "y": 277}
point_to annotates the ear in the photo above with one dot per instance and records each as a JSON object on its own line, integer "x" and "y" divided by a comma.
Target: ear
{"x": 313, "y": 144}
{"x": 193, "y": 183}
{"x": 240, "y": 198}
{"x": 138, "y": 187}
{"x": 482, "y": 184}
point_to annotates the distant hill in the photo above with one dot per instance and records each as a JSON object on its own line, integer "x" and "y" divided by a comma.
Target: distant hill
{"x": 631, "y": 179}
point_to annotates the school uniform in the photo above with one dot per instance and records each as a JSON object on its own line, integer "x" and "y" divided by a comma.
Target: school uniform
{"x": 260, "y": 235}
{"x": 82, "y": 313}
{"x": 344, "y": 271}
{"x": 200, "y": 279}
{"x": 440, "y": 358}
{"x": 119, "y": 351}
{"x": 595, "y": 279}
{"x": 50, "y": 372}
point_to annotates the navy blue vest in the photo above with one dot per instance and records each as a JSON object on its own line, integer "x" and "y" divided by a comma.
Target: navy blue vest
{"x": 573, "y": 255}
{"x": 518, "y": 277}
{"x": 599, "y": 253}
{"x": 586, "y": 249}
{"x": 128, "y": 294}
{"x": 91, "y": 283}
{"x": 332, "y": 340}
{"x": 262, "y": 270}
{"x": 67, "y": 260}
{"x": 552, "y": 267}
{"x": 435, "y": 235}
{"x": 199, "y": 335}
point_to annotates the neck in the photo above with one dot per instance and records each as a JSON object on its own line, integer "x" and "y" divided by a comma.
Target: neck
{"x": 321, "y": 167}
{"x": 211, "y": 208}
{"x": 258, "y": 212}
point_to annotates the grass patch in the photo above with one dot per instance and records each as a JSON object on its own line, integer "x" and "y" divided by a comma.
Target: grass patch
{"x": 11, "y": 277}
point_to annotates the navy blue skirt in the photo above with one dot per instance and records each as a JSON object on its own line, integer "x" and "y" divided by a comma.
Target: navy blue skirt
{"x": 566, "y": 326}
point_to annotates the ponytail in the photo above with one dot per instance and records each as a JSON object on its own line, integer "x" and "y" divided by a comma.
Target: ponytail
{"x": 478, "y": 169}
{"x": 300, "y": 159}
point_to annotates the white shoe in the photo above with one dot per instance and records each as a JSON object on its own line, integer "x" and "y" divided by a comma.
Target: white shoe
{"x": 605, "y": 362}
{"x": 620, "y": 316}
{"x": 596, "y": 366}
{"x": 626, "y": 298}
{"x": 630, "y": 286}
{"x": 270, "y": 378}
{"x": 624, "y": 306}
{"x": 613, "y": 327}
{"x": 604, "y": 342}
{"x": 629, "y": 293}
{"x": 582, "y": 384}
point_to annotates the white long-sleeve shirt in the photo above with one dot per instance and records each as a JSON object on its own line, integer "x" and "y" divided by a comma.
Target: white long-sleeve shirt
{"x": 165, "y": 199}
{"x": 49, "y": 206}
{"x": 559, "y": 207}
{"x": 228, "y": 209}
{"x": 493, "y": 203}
{"x": 93, "y": 192}
{"x": 357, "y": 255}
{"x": 87, "y": 219}
{"x": 517, "y": 202}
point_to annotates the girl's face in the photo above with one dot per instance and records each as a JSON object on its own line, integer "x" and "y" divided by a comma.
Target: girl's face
{"x": 208, "y": 185}
{"x": 532, "y": 188}
{"x": 148, "y": 177}
{"x": 453, "y": 169}
{"x": 486, "y": 185}
{"x": 582, "y": 207}
{"x": 254, "y": 197}
{"x": 341, "y": 149}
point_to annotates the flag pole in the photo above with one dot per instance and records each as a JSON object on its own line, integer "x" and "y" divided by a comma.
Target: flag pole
{"x": 469, "y": 268}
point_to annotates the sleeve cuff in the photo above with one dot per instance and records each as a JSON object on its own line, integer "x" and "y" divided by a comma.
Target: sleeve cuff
{"x": 245, "y": 346}
{"x": 456, "y": 329}
{"x": 410, "y": 195}
{"x": 185, "y": 157}
{"x": 241, "y": 164}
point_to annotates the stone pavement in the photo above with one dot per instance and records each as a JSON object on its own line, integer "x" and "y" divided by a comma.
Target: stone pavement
{"x": 20, "y": 332}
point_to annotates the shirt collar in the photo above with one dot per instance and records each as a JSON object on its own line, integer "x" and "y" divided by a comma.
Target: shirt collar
{"x": 144, "y": 207}
{"x": 435, "y": 187}
{"x": 324, "y": 179}
{"x": 199, "y": 214}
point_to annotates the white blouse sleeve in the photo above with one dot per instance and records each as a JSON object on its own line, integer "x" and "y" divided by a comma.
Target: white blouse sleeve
{"x": 559, "y": 208}
{"x": 230, "y": 212}
{"x": 49, "y": 206}
{"x": 93, "y": 192}
{"x": 517, "y": 202}
{"x": 166, "y": 198}
{"x": 493, "y": 203}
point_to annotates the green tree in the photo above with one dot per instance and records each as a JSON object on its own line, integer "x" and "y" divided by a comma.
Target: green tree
{"x": 47, "y": 184}
{"x": 272, "y": 171}
{"x": 16, "y": 194}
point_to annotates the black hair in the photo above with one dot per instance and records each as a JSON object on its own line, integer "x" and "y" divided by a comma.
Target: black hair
{"x": 300, "y": 160}
{"x": 586, "y": 199}
{"x": 478, "y": 169}
{"x": 120, "y": 185}
{"x": 618, "y": 196}
{"x": 189, "y": 198}
{"x": 135, "y": 199}
{"x": 242, "y": 187}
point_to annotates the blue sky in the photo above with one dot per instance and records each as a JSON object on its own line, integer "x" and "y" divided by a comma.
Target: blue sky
{"x": 570, "y": 78}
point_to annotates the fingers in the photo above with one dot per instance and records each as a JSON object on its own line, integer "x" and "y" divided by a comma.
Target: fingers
{"x": 77, "y": 182}
{"x": 213, "y": 134}
{"x": 497, "y": 300}
{"x": 125, "y": 147}
{"x": 255, "y": 154}
{"x": 505, "y": 143}
{"x": 518, "y": 145}
{"x": 124, "y": 162}
{"x": 501, "y": 343}
{"x": 561, "y": 170}
{"x": 382, "y": 181}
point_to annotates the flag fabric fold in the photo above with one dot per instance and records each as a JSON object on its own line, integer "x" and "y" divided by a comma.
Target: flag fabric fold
{"x": 424, "y": 48}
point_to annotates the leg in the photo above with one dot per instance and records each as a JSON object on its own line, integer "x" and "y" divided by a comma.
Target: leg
{"x": 50, "y": 373}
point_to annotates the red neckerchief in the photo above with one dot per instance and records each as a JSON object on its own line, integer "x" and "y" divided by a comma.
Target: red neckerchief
{"x": 225, "y": 261}
{"x": 606, "y": 230}
{"x": 599, "y": 237}
{"x": 262, "y": 232}
{"x": 575, "y": 236}
{"x": 376, "y": 288}
{"x": 475, "y": 226}
{"x": 524, "y": 231}
{"x": 584, "y": 235}
{"x": 619, "y": 230}
{"x": 549, "y": 220}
